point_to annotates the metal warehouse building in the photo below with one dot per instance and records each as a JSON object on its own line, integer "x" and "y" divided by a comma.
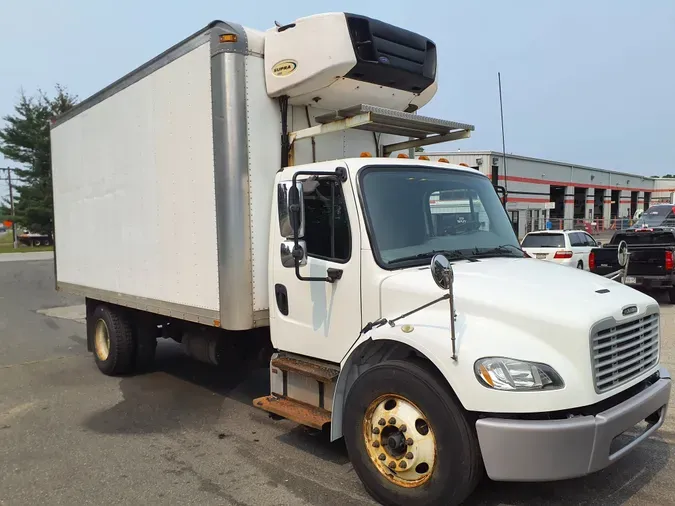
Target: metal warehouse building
{"x": 569, "y": 195}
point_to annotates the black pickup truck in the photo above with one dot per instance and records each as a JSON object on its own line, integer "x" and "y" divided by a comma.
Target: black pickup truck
{"x": 650, "y": 258}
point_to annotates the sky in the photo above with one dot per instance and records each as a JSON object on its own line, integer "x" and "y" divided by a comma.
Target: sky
{"x": 586, "y": 82}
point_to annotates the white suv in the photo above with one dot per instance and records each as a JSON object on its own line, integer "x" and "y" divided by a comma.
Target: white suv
{"x": 566, "y": 247}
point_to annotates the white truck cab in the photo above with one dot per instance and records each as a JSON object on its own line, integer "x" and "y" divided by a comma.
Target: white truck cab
{"x": 389, "y": 296}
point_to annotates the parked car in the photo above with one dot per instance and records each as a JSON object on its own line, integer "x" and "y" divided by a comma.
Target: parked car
{"x": 565, "y": 247}
{"x": 651, "y": 258}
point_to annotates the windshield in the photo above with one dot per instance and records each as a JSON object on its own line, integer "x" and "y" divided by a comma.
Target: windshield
{"x": 413, "y": 212}
{"x": 544, "y": 241}
{"x": 657, "y": 216}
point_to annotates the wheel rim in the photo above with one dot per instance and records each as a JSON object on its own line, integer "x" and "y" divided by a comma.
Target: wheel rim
{"x": 399, "y": 440}
{"x": 102, "y": 340}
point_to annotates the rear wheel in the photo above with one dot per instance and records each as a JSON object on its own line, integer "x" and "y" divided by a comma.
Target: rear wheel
{"x": 113, "y": 342}
{"x": 406, "y": 434}
{"x": 580, "y": 265}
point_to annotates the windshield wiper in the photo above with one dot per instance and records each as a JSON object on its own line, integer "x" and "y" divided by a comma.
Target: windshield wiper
{"x": 451, "y": 254}
{"x": 508, "y": 249}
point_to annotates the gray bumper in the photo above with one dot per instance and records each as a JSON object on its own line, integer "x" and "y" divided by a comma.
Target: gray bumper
{"x": 546, "y": 450}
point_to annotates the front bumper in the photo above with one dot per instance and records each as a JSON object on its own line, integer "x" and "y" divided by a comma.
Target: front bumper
{"x": 547, "y": 450}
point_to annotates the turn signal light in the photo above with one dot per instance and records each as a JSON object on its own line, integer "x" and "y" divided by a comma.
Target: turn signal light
{"x": 669, "y": 260}
{"x": 563, "y": 254}
{"x": 591, "y": 260}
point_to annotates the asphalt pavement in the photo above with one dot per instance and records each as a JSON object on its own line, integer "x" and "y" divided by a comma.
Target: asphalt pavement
{"x": 186, "y": 433}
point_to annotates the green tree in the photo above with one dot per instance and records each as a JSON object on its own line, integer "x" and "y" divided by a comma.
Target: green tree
{"x": 25, "y": 139}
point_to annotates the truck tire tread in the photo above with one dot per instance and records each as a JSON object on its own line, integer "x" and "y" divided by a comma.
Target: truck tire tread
{"x": 122, "y": 347}
{"x": 457, "y": 443}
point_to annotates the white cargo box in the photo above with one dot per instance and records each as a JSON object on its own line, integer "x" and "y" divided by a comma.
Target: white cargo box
{"x": 164, "y": 180}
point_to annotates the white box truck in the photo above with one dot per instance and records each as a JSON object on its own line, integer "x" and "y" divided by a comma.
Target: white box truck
{"x": 248, "y": 191}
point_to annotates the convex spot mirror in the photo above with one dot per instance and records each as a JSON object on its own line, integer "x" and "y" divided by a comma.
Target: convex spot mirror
{"x": 441, "y": 271}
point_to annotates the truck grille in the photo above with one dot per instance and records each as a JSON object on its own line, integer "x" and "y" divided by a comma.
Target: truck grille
{"x": 622, "y": 352}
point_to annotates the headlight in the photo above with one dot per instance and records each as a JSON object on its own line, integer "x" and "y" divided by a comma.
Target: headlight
{"x": 516, "y": 375}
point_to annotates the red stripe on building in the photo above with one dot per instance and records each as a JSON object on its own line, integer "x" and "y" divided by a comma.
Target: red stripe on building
{"x": 519, "y": 179}
{"x": 527, "y": 200}
{"x": 590, "y": 201}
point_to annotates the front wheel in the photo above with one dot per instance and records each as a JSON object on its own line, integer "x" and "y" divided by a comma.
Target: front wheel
{"x": 406, "y": 435}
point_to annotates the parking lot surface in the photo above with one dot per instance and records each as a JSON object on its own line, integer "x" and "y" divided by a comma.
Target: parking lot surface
{"x": 187, "y": 433}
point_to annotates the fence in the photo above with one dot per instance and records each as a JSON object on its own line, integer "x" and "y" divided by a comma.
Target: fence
{"x": 595, "y": 227}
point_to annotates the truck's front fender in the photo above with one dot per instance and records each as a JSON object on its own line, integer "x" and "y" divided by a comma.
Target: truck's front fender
{"x": 476, "y": 338}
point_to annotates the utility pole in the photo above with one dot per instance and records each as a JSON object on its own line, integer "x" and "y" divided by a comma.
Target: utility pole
{"x": 11, "y": 203}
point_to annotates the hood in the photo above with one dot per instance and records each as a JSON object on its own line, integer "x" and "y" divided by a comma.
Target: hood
{"x": 520, "y": 292}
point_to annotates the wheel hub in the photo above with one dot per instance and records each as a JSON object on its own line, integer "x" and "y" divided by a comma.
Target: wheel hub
{"x": 101, "y": 340}
{"x": 399, "y": 440}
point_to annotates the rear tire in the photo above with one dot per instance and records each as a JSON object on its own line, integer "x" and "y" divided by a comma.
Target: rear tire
{"x": 580, "y": 265}
{"x": 407, "y": 394}
{"x": 113, "y": 341}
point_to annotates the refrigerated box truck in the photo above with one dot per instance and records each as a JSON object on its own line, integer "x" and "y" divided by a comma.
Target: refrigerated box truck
{"x": 247, "y": 188}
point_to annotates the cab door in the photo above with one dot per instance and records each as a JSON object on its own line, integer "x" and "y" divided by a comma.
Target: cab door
{"x": 316, "y": 317}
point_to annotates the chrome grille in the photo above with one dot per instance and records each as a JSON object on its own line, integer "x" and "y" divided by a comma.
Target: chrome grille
{"x": 621, "y": 352}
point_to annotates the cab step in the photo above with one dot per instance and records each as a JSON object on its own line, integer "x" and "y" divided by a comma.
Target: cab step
{"x": 293, "y": 410}
{"x": 307, "y": 368}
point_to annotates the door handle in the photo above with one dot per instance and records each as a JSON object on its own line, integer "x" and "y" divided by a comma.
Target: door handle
{"x": 281, "y": 294}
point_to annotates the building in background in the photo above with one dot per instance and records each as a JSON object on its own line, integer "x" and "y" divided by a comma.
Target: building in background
{"x": 569, "y": 195}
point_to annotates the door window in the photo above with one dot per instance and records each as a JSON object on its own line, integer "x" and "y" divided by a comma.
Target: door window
{"x": 577, "y": 239}
{"x": 590, "y": 241}
{"x": 327, "y": 230}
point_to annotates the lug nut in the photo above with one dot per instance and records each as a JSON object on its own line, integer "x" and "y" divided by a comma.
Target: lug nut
{"x": 403, "y": 465}
{"x": 409, "y": 441}
{"x": 376, "y": 430}
{"x": 381, "y": 421}
{"x": 381, "y": 457}
{"x": 403, "y": 428}
{"x": 409, "y": 455}
{"x": 376, "y": 444}
{"x": 392, "y": 465}
{"x": 392, "y": 421}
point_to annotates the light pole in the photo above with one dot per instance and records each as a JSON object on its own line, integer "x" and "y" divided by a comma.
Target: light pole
{"x": 11, "y": 203}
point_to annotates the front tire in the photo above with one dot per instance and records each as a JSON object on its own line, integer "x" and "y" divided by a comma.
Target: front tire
{"x": 430, "y": 450}
{"x": 113, "y": 342}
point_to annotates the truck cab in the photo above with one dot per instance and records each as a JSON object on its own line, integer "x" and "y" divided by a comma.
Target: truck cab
{"x": 356, "y": 287}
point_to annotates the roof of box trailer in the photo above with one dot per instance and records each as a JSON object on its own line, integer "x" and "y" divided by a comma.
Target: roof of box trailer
{"x": 174, "y": 52}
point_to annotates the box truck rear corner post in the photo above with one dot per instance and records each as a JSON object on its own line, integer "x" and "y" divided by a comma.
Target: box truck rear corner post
{"x": 251, "y": 195}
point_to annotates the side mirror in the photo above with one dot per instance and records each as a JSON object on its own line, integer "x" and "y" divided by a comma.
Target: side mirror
{"x": 622, "y": 254}
{"x": 289, "y": 197}
{"x": 289, "y": 253}
{"x": 441, "y": 271}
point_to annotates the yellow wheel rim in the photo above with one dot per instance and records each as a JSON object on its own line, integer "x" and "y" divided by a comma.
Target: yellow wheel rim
{"x": 399, "y": 440}
{"x": 101, "y": 340}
